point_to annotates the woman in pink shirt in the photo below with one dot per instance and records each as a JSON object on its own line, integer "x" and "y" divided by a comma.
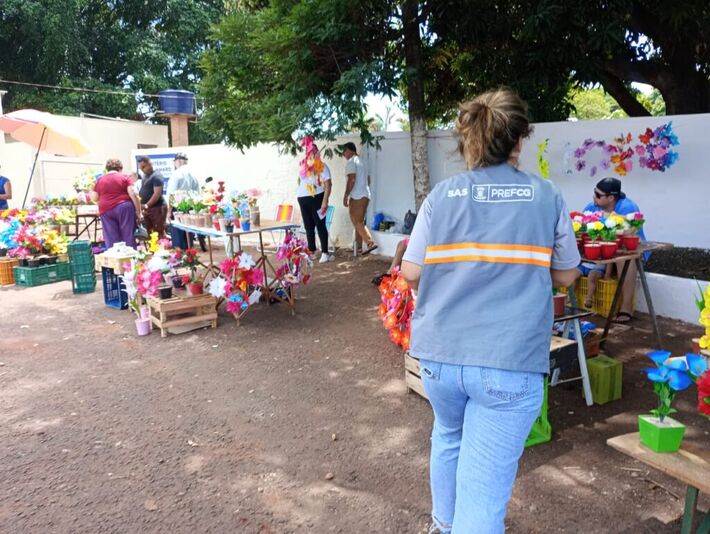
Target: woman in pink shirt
{"x": 119, "y": 207}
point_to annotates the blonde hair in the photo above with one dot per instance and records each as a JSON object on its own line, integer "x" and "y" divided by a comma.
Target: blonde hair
{"x": 490, "y": 126}
{"x": 114, "y": 165}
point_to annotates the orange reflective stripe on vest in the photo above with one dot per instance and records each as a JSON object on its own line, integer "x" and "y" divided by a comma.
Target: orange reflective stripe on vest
{"x": 489, "y": 252}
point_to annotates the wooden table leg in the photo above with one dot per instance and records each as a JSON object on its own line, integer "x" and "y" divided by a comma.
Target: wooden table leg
{"x": 615, "y": 302}
{"x": 649, "y": 302}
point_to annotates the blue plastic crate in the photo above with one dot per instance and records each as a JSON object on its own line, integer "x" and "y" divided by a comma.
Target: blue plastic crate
{"x": 115, "y": 295}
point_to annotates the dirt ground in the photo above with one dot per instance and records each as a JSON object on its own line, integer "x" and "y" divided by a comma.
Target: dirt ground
{"x": 283, "y": 424}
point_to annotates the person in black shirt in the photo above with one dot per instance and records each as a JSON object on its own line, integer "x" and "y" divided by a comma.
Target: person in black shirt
{"x": 151, "y": 195}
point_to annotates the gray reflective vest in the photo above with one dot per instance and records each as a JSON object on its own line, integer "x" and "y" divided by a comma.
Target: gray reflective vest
{"x": 485, "y": 291}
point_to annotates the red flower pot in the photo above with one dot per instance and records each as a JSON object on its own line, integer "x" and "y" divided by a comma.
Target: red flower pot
{"x": 608, "y": 249}
{"x": 580, "y": 246}
{"x": 592, "y": 251}
{"x": 195, "y": 288}
{"x": 631, "y": 242}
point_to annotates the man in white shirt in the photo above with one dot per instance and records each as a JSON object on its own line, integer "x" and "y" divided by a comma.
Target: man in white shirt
{"x": 183, "y": 181}
{"x": 357, "y": 197}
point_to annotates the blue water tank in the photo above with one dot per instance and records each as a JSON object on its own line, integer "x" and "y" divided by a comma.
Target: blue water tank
{"x": 177, "y": 101}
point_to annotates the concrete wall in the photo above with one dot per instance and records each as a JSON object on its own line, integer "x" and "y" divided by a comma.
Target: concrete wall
{"x": 53, "y": 175}
{"x": 674, "y": 201}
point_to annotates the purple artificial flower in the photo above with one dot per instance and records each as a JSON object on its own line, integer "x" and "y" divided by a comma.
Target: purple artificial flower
{"x": 605, "y": 164}
{"x": 580, "y": 164}
{"x": 593, "y": 170}
{"x": 579, "y": 153}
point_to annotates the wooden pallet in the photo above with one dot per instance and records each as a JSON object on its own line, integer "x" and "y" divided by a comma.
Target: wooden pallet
{"x": 561, "y": 350}
{"x": 412, "y": 376}
{"x": 182, "y": 314}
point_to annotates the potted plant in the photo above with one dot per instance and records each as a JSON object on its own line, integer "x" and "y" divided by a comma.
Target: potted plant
{"x": 139, "y": 281}
{"x": 592, "y": 249}
{"x": 559, "y": 300}
{"x": 657, "y": 431}
{"x": 609, "y": 245}
{"x": 192, "y": 281}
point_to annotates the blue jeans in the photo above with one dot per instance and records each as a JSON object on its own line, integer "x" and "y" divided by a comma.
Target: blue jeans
{"x": 482, "y": 417}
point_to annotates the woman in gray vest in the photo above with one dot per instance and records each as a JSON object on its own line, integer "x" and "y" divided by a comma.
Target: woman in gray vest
{"x": 487, "y": 248}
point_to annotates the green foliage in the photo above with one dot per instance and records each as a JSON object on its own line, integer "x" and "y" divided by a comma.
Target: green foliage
{"x": 117, "y": 45}
{"x": 595, "y": 104}
{"x": 296, "y": 67}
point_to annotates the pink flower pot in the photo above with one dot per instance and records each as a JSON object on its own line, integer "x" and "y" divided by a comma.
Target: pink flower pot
{"x": 631, "y": 242}
{"x": 143, "y": 326}
{"x": 608, "y": 249}
{"x": 558, "y": 302}
{"x": 592, "y": 251}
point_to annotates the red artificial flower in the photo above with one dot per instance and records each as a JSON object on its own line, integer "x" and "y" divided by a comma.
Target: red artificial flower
{"x": 703, "y": 384}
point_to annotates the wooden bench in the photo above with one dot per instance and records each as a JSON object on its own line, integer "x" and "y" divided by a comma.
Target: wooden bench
{"x": 689, "y": 465}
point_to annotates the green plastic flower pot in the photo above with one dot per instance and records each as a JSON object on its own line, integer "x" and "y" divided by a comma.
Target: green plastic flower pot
{"x": 659, "y": 436}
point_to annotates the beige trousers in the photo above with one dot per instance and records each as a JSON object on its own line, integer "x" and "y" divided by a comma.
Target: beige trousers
{"x": 358, "y": 208}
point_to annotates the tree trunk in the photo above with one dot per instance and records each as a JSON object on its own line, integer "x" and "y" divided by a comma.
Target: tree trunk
{"x": 415, "y": 94}
{"x": 628, "y": 102}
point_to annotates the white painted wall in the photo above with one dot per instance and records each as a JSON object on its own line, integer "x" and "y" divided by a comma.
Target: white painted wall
{"x": 672, "y": 296}
{"x": 675, "y": 202}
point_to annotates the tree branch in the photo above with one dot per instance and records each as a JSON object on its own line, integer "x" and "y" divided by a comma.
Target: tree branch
{"x": 616, "y": 88}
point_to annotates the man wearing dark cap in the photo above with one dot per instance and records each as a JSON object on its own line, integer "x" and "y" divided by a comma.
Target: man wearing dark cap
{"x": 182, "y": 181}
{"x": 609, "y": 198}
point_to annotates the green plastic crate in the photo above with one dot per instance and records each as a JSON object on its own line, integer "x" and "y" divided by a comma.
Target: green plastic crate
{"x": 83, "y": 265}
{"x": 83, "y": 283}
{"x": 605, "y": 377}
{"x": 37, "y": 276}
{"x": 541, "y": 431}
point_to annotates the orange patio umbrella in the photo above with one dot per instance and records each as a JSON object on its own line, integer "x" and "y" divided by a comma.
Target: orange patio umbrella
{"x": 44, "y": 132}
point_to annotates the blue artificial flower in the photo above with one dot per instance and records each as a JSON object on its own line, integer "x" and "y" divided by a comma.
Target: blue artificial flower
{"x": 678, "y": 380}
{"x": 696, "y": 364}
{"x": 659, "y": 356}
{"x": 658, "y": 374}
{"x": 677, "y": 364}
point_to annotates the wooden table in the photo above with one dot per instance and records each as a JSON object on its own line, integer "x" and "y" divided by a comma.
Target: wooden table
{"x": 627, "y": 256}
{"x": 89, "y": 217}
{"x": 689, "y": 465}
{"x": 271, "y": 285}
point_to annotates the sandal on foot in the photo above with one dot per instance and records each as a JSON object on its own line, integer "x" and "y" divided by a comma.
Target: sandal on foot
{"x": 369, "y": 249}
{"x": 622, "y": 317}
{"x": 588, "y": 304}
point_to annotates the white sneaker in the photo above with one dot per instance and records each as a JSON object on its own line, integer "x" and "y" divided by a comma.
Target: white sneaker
{"x": 325, "y": 258}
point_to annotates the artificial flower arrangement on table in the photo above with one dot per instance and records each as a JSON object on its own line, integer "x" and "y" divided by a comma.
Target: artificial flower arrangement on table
{"x": 396, "y": 308}
{"x": 658, "y": 431}
{"x": 295, "y": 263}
{"x": 86, "y": 180}
{"x": 140, "y": 281}
{"x": 240, "y": 283}
{"x": 193, "y": 281}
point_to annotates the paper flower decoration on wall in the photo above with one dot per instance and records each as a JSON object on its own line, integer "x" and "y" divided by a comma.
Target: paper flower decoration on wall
{"x": 654, "y": 152}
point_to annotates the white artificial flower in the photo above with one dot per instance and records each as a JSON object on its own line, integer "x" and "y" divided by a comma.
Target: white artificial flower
{"x": 610, "y": 223}
{"x": 254, "y": 297}
{"x": 246, "y": 261}
{"x": 630, "y": 216}
{"x": 217, "y": 287}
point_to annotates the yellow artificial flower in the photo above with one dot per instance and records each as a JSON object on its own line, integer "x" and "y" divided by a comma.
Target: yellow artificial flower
{"x": 705, "y": 317}
{"x": 153, "y": 243}
{"x": 596, "y": 225}
{"x": 705, "y": 342}
{"x": 576, "y": 226}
